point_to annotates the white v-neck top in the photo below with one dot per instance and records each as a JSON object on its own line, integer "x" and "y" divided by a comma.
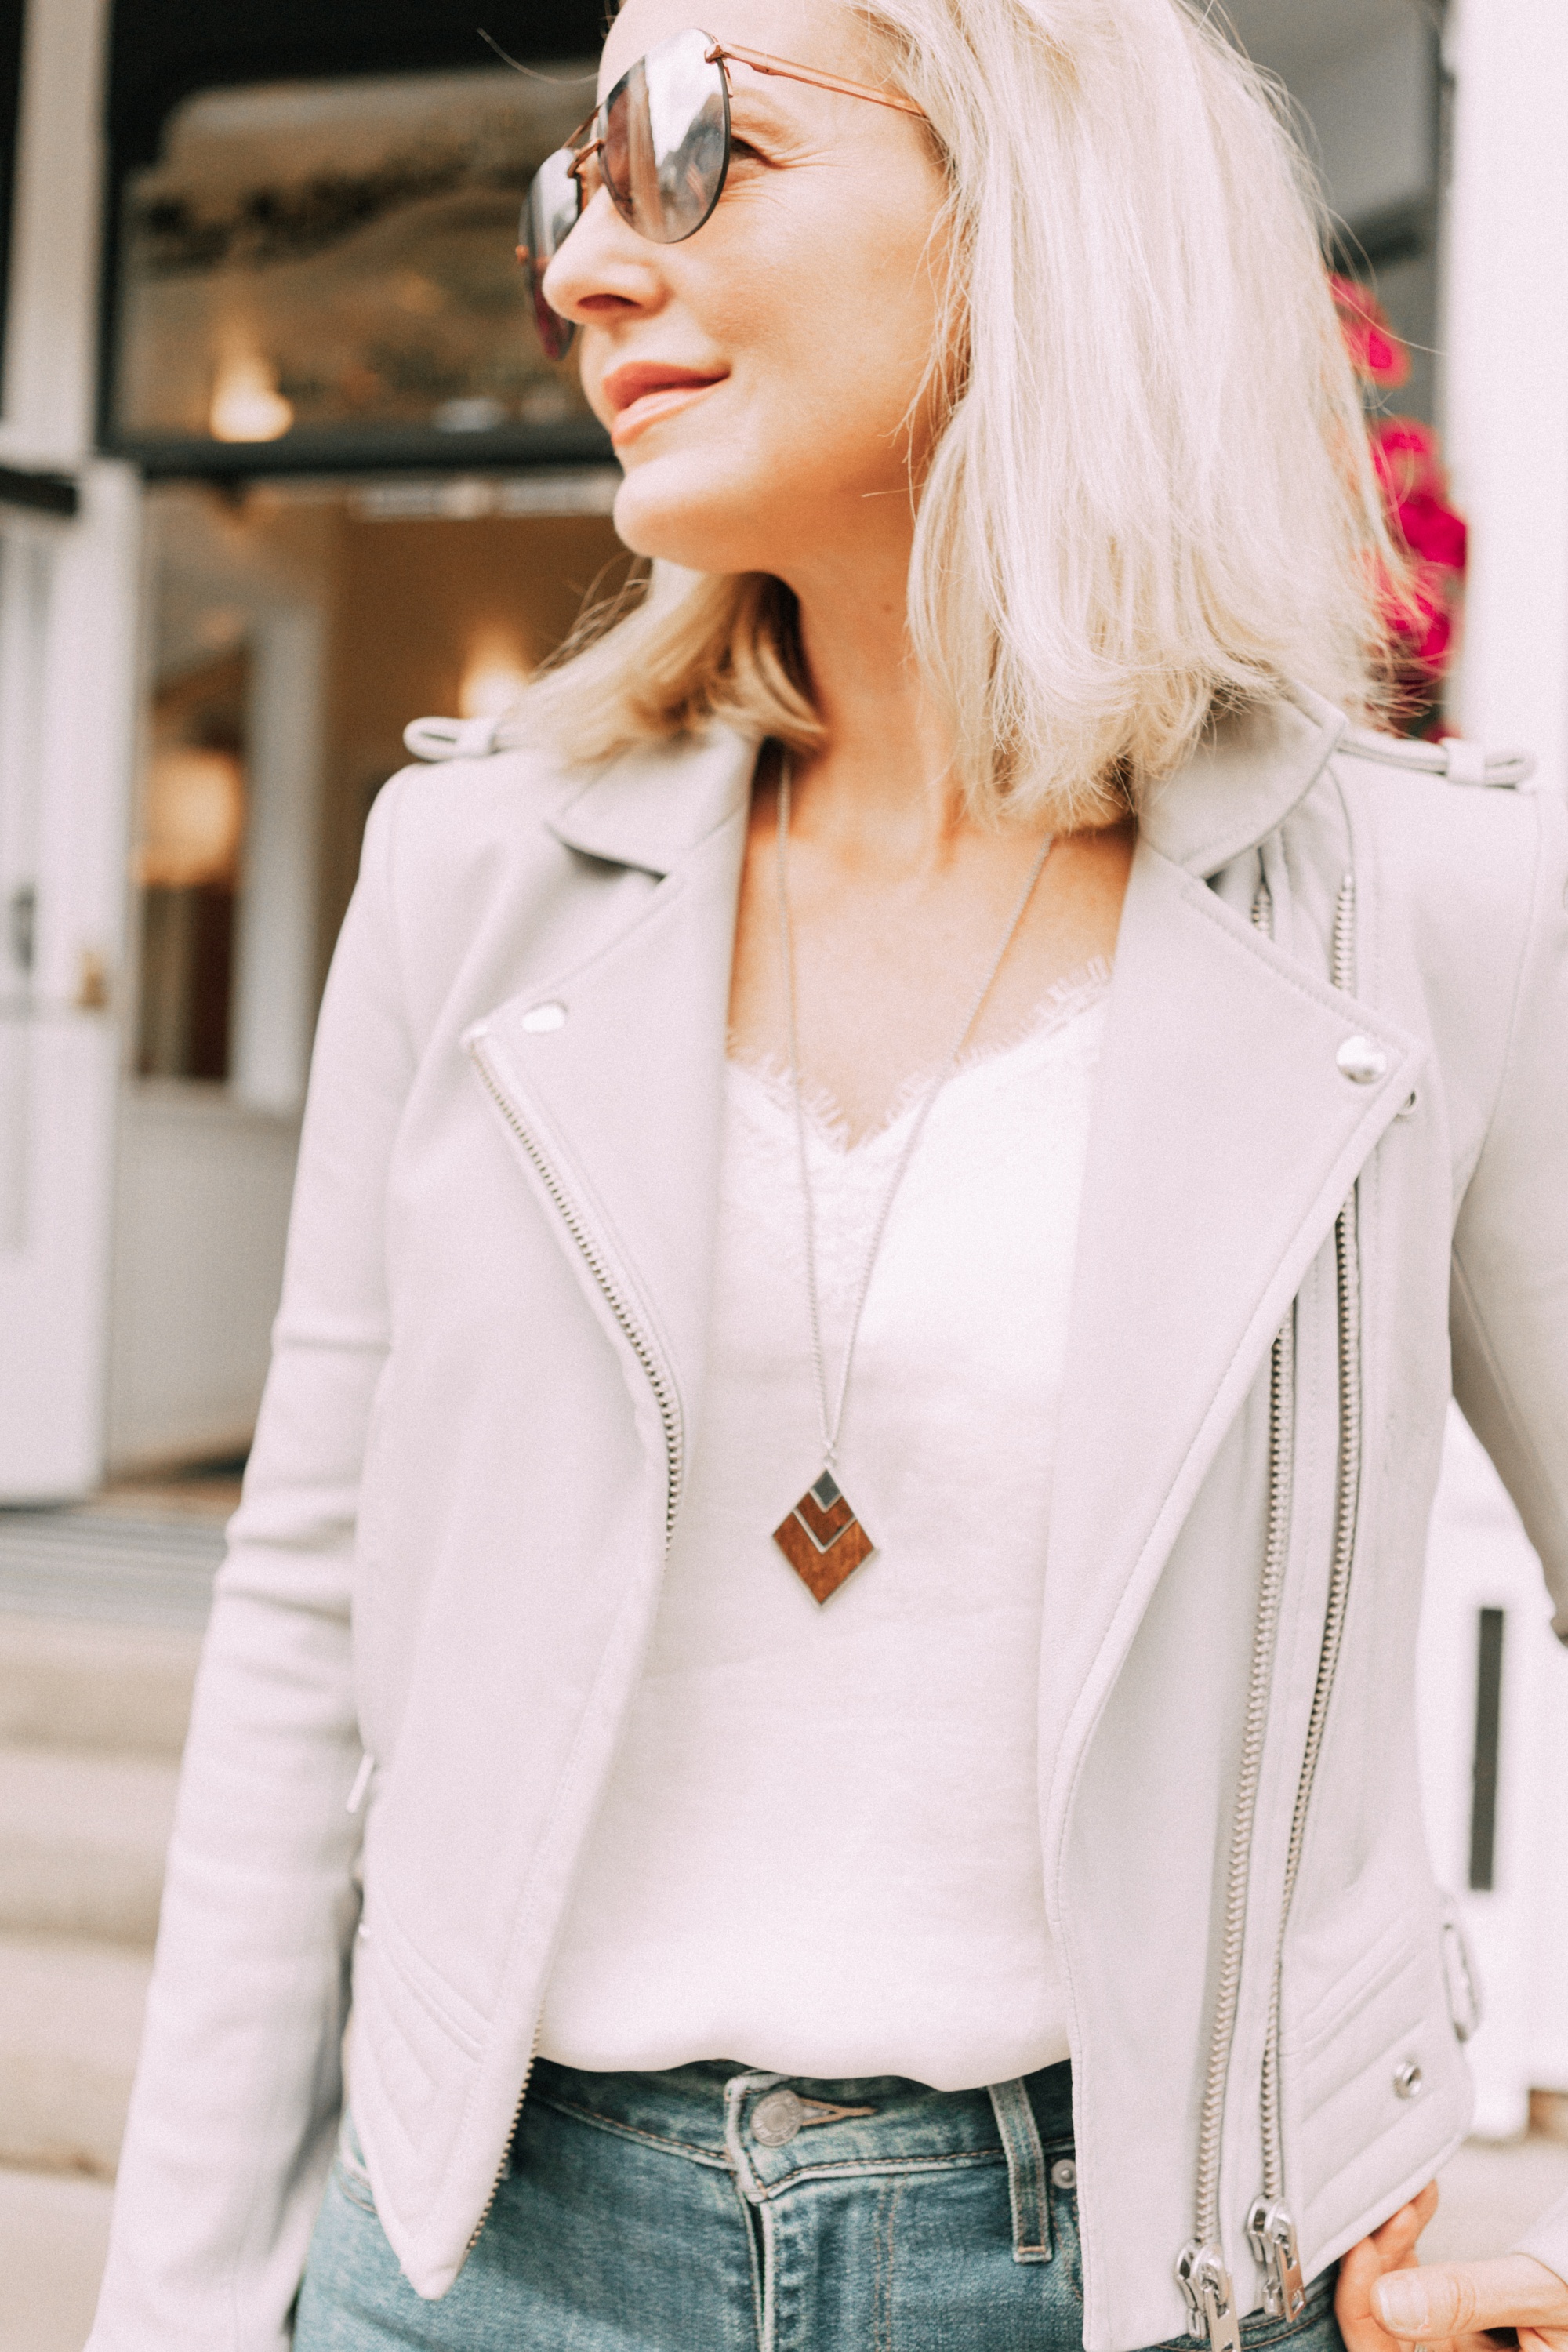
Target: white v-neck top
{"x": 819, "y": 1853}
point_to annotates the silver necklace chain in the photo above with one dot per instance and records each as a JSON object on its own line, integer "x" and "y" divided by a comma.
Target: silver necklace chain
{"x": 833, "y": 1423}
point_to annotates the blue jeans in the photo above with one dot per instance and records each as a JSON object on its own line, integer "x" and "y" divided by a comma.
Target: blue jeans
{"x": 711, "y": 2209}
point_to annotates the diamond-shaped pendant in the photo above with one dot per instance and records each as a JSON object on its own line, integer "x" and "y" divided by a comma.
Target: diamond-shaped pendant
{"x": 821, "y": 1540}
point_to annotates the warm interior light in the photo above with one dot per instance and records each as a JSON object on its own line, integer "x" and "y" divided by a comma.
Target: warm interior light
{"x": 194, "y": 818}
{"x": 494, "y": 674}
{"x": 246, "y": 405}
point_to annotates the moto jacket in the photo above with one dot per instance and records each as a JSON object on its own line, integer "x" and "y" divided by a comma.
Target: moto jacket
{"x": 1327, "y": 1173}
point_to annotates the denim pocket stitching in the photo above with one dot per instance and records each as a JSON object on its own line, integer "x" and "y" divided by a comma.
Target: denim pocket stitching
{"x": 882, "y": 2285}
{"x": 350, "y": 2188}
{"x": 712, "y": 2157}
{"x": 871, "y": 2168}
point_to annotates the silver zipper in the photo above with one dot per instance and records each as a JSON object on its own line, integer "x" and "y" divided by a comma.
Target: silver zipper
{"x": 488, "y": 2207}
{"x": 1202, "y": 2269}
{"x": 674, "y": 1447}
{"x": 1269, "y": 2225}
{"x": 657, "y": 1380}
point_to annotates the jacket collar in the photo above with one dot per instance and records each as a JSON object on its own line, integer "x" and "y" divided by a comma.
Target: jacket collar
{"x": 1249, "y": 772}
{"x": 648, "y": 808}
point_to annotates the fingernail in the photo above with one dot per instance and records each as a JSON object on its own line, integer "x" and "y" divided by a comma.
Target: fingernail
{"x": 1401, "y": 2300}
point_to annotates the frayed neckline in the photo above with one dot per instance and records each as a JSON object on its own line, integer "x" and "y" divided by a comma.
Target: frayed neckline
{"x": 1076, "y": 993}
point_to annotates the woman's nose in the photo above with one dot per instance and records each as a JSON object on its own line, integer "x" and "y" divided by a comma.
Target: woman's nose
{"x": 603, "y": 267}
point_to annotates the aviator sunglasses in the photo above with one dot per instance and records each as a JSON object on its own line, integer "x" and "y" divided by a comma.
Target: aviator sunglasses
{"x": 659, "y": 145}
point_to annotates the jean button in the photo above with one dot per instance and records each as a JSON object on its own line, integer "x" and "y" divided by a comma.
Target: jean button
{"x": 776, "y": 2119}
{"x": 1064, "y": 2173}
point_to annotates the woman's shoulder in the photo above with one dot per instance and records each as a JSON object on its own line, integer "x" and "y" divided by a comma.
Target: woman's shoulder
{"x": 461, "y": 784}
{"x": 1461, "y": 833}
{"x": 1460, "y": 863}
{"x": 475, "y": 790}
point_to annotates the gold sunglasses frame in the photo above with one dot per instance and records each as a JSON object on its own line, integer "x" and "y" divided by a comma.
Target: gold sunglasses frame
{"x": 760, "y": 62}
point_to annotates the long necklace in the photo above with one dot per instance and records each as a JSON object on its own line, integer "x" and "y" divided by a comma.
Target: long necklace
{"x": 823, "y": 1538}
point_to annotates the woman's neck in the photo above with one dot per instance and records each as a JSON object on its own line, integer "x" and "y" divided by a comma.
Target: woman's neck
{"x": 882, "y": 782}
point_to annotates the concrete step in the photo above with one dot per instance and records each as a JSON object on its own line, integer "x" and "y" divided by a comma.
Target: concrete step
{"x": 54, "y": 2235}
{"x": 82, "y": 1843}
{"x": 69, "y": 1683}
{"x": 70, "y": 2024}
{"x": 109, "y": 1567}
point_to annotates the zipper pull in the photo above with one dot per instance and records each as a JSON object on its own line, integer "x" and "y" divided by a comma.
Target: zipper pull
{"x": 1272, "y": 2235}
{"x": 1211, "y": 2301}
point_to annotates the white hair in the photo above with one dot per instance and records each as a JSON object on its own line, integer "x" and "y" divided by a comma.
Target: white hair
{"x": 1151, "y": 496}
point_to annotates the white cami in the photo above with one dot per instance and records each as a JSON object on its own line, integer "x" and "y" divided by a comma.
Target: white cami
{"x": 819, "y": 1853}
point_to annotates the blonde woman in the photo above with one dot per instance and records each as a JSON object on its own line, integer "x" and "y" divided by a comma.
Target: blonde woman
{"x": 835, "y": 1536}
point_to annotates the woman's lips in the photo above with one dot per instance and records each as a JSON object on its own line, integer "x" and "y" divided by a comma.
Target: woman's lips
{"x": 640, "y": 393}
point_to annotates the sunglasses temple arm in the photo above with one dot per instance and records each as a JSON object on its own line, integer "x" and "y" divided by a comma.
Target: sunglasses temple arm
{"x": 760, "y": 62}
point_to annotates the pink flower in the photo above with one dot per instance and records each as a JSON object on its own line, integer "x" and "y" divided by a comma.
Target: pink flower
{"x": 1376, "y": 352}
{"x": 1431, "y": 531}
{"x": 1405, "y": 455}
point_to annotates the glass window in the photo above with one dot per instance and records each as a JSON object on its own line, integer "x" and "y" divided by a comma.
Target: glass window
{"x": 330, "y": 265}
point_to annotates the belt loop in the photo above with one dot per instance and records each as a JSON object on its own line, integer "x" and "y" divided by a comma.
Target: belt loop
{"x": 1026, "y": 2171}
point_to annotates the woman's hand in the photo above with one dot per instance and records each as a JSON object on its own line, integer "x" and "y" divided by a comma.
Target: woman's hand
{"x": 1386, "y": 2301}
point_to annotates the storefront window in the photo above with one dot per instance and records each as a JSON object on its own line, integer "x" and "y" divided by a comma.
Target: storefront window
{"x": 330, "y": 268}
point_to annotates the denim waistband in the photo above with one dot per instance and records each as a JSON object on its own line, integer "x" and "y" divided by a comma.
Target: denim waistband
{"x": 773, "y": 2131}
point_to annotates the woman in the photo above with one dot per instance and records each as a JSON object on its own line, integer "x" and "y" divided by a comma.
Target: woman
{"x": 841, "y": 1495}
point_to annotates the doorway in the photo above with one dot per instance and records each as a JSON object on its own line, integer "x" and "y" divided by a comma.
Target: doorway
{"x": 294, "y": 631}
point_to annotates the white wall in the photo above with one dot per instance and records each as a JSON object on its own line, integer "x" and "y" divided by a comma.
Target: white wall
{"x": 1504, "y": 405}
{"x": 1505, "y": 396}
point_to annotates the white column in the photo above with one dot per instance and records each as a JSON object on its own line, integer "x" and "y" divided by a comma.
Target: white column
{"x": 52, "y": 315}
{"x": 1505, "y": 403}
{"x": 1506, "y": 374}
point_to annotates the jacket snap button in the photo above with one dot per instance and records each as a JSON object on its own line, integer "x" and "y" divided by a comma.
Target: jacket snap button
{"x": 1064, "y": 2173}
{"x": 1409, "y": 2079}
{"x": 539, "y": 1017}
{"x": 777, "y": 2119}
{"x": 1361, "y": 1060}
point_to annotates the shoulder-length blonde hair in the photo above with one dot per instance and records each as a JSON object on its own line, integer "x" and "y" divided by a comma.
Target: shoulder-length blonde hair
{"x": 1151, "y": 495}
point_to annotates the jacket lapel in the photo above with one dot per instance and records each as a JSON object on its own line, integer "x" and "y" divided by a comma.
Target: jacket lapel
{"x": 620, "y": 1084}
{"x": 1225, "y": 1140}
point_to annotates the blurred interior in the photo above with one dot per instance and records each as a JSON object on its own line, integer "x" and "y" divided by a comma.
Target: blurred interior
{"x": 296, "y": 628}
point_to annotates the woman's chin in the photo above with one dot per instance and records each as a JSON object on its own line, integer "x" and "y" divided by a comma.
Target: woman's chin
{"x": 700, "y": 525}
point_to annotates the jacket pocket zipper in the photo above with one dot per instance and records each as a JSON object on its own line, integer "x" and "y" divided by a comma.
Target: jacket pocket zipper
{"x": 670, "y": 1422}
{"x": 1270, "y": 2226}
{"x": 592, "y": 1258}
{"x": 1202, "y": 2268}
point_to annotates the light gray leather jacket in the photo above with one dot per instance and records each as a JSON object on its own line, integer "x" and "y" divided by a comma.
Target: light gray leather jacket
{"x": 1330, "y": 1140}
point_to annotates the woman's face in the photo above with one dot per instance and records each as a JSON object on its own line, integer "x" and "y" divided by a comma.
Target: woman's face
{"x": 757, "y": 380}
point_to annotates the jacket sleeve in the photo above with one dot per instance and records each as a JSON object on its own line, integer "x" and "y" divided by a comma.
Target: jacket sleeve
{"x": 237, "y": 2091}
{"x": 1510, "y": 1297}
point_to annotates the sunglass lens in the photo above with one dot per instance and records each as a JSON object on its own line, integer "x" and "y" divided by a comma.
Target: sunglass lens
{"x": 548, "y": 216}
{"x": 667, "y": 139}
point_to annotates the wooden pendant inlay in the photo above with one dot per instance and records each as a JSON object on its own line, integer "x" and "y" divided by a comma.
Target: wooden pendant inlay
{"x": 821, "y": 1540}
